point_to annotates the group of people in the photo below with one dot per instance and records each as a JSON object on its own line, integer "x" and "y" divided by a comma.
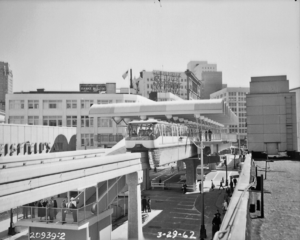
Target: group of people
{"x": 146, "y": 204}
{"x": 47, "y": 209}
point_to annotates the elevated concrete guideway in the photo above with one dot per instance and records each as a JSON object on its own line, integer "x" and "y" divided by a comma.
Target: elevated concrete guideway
{"x": 215, "y": 111}
{"x": 29, "y": 183}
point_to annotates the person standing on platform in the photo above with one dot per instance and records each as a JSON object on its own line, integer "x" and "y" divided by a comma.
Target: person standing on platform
{"x": 209, "y": 134}
{"x": 64, "y": 211}
{"x": 54, "y": 207}
{"x": 73, "y": 207}
{"x": 51, "y": 210}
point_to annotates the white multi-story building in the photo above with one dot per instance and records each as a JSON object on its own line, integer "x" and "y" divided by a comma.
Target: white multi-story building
{"x": 236, "y": 99}
{"x": 182, "y": 84}
{"x": 70, "y": 109}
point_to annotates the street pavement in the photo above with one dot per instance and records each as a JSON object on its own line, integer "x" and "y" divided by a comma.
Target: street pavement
{"x": 281, "y": 202}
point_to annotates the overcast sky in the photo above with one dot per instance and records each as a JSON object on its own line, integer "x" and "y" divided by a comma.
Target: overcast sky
{"x": 58, "y": 44}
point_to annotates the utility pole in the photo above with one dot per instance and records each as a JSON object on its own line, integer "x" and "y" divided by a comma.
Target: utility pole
{"x": 202, "y": 229}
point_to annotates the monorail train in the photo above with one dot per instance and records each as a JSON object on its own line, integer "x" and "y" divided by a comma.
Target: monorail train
{"x": 154, "y": 134}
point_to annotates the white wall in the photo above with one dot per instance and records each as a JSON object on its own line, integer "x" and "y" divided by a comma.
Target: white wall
{"x": 14, "y": 134}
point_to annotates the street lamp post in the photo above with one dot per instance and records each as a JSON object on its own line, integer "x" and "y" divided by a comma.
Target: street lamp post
{"x": 226, "y": 182}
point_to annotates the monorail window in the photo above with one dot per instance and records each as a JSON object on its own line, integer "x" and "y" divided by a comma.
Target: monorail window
{"x": 142, "y": 129}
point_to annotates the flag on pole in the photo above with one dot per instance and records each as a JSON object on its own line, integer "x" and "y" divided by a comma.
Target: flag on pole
{"x": 125, "y": 74}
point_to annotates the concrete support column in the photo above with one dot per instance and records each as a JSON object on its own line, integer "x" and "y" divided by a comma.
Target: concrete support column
{"x": 191, "y": 173}
{"x": 212, "y": 149}
{"x": 133, "y": 181}
{"x": 146, "y": 179}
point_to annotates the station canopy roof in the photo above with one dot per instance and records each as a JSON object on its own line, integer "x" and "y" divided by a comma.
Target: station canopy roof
{"x": 215, "y": 111}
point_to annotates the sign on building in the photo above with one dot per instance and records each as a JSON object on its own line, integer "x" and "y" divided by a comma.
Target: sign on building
{"x": 92, "y": 87}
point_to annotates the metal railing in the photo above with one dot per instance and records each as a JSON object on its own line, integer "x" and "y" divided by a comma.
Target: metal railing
{"x": 225, "y": 234}
{"x": 55, "y": 215}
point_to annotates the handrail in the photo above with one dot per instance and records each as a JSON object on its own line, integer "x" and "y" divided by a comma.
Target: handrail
{"x": 226, "y": 232}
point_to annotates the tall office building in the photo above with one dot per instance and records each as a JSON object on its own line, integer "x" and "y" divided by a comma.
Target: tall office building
{"x": 209, "y": 76}
{"x": 6, "y": 83}
{"x": 236, "y": 99}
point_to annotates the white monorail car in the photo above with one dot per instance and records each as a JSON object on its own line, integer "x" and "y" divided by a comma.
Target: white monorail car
{"x": 153, "y": 134}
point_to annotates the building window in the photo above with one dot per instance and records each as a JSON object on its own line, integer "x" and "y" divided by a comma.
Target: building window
{"x": 71, "y": 121}
{"x": 16, "y": 119}
{"x": 52, "y": 104}
{"x": 52, "y": 121}
{"x": 71, "y": 103}
{"x": 102, "y": 122}
{"x": 33, "y": 104}
{"x": 16, "y": 104}
{"x": 129, "y": 101}
{"x": 86, "y": 103}
{"x": 104, "y": 101}
{"x": 87, "y": 140}
{"x": 33, "y": 120}
{"x": 86, "y": 121}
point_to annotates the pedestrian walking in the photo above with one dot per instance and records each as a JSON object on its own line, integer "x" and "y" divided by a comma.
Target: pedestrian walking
{"x": 234, "y": 182}
{"x": 149, "y": 204}
{"x": 221, "y": 184}
{"x": 212, "y": 185}
{"x": 216, "y": 222}
{"x": 144, "y": 204}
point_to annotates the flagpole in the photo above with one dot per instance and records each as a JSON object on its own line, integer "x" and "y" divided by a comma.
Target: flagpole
{"x": 130, "y": 81}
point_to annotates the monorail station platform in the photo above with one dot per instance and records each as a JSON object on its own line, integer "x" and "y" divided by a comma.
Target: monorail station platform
{"x": 175, "y": 131}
